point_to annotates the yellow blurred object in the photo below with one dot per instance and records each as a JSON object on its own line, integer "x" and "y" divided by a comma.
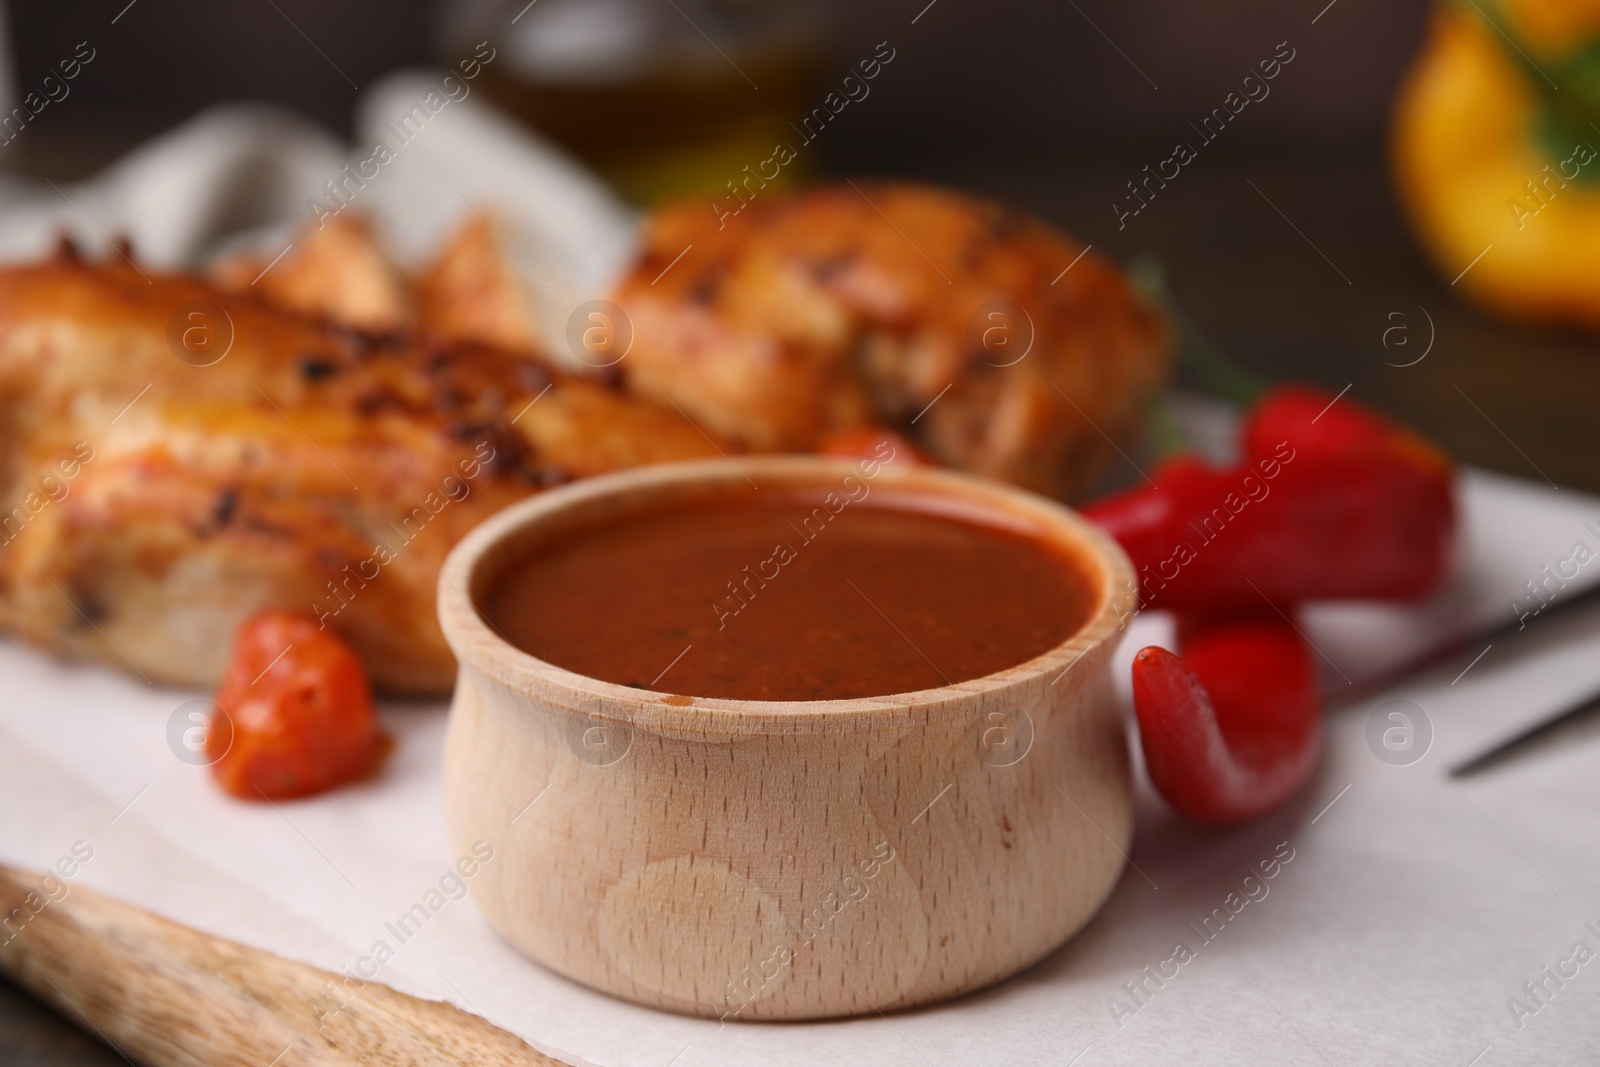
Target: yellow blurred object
{"x": 1554, "y": 27}
{"x": 1494, "y": 143}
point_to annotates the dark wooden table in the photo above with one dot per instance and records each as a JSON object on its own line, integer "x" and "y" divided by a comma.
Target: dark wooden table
{"x": 33, "y": 1035}
{"x": 1296, "y": 270}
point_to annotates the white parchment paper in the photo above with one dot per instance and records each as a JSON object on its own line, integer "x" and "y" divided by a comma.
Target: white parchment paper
{"x": 1413, "y": 908}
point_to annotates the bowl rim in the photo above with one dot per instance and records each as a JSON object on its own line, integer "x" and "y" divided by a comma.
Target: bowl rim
{"x": 479, "y": 646}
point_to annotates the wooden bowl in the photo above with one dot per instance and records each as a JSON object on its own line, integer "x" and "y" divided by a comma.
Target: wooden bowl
{"x": 785, "y": 860}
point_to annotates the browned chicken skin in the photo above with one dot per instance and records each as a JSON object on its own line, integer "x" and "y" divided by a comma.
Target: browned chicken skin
{"x": 850, "y": 304}
{"x": 151, "y": 503}
{"x": 335, "y": 271}
{"x": 174, "y": 457}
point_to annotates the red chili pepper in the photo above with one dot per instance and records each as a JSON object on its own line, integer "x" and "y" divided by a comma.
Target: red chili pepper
{"x": 1234, "y": 727}
{"x": 1330, "y": 501}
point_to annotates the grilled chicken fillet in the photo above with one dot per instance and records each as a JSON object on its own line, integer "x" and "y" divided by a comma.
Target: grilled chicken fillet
{"x": 150, "y": 503}
{"x": 997, "y": 343}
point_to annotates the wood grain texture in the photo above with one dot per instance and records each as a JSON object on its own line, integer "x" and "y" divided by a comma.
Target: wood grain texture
{"x": 786, "y": 860}
{"x": 168, "y": 996}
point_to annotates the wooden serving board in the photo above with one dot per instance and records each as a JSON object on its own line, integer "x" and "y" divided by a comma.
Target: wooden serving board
{"x": 165, "y": 995}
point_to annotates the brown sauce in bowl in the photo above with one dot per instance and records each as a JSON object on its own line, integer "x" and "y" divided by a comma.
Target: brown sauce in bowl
{"x": 789, "y": 596}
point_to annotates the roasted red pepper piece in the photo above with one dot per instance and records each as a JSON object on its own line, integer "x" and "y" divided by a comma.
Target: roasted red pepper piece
{"x": 1233, "y": 728}
{"x": 296, "y": 709}
{"x": 1329, "y": 501}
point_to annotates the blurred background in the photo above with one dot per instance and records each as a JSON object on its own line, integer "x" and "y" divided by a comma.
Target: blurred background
{"x": 1011, "y": 80}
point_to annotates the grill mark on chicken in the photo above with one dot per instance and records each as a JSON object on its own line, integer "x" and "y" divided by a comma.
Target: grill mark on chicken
{"x": 227, "y": 504}
{"x": 316, "y": 368}
{"x": 828, "y": 268}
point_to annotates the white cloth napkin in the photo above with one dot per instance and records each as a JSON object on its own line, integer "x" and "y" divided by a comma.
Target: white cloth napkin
{"x": 255, "y": 173}
{"x": 1403, "y": 929}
